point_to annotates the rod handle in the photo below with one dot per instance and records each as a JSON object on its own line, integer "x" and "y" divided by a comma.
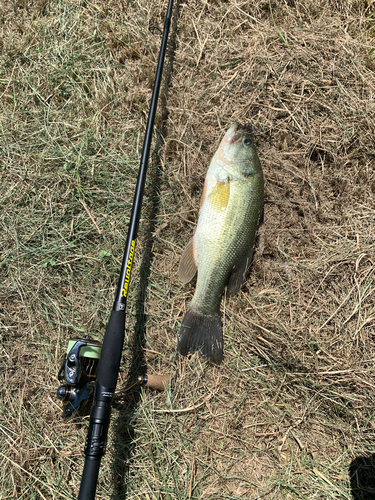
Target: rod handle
{"x": 89, "y": 479}
{"x": 158, "y": 382}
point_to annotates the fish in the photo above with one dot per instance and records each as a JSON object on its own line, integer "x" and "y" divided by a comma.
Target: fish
{"x": 221, "y": 248}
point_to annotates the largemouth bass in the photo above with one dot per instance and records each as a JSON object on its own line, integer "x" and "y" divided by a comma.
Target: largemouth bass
{"x": 222, "y": 246}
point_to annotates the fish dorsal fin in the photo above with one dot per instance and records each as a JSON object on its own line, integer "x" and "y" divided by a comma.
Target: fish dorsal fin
{"x": 188, "y": 267}
{"x": 219, "y": 196}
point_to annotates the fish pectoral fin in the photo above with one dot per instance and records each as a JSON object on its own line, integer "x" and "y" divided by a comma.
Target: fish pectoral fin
{"x": 188, "y": 266}
{"x": 237, "y": 277}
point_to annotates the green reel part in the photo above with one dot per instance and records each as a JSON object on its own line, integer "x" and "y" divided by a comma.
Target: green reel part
{"x": 93, "y": 348}
{"x": 78, "y": 372}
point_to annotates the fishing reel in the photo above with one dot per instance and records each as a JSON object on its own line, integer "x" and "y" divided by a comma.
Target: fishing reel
{"x": 78, "y": 371}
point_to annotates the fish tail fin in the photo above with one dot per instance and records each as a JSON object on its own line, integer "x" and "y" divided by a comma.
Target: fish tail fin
{"x": 203, "y": 334}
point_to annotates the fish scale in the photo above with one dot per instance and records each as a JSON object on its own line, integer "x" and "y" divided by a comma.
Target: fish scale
{"x": 221, "y": 248}
{"x": 213, "y": 274}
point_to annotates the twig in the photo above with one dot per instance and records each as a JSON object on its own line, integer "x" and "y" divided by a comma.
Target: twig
{"x": 89, "y": 214}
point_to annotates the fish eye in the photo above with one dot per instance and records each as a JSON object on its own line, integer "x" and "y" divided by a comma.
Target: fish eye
{"x": 247, "y": 142}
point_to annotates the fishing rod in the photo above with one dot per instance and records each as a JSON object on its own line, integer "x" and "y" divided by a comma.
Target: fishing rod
{"x": 106, "y": 358}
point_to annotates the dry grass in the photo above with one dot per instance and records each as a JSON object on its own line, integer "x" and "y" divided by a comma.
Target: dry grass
{"x": 290, "y": 413}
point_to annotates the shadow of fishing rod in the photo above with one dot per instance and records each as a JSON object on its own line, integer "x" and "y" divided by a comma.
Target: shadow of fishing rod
{"x": 123, "y": 432}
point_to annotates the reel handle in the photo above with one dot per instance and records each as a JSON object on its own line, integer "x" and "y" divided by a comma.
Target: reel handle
{"x": 158, "y": 382}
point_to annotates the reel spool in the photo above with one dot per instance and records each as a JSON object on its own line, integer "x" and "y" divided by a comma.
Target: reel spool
{"x": 78, "y": 371}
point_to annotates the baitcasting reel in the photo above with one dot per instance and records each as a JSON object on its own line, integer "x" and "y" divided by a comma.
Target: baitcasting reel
{"x": 79, "y": 371}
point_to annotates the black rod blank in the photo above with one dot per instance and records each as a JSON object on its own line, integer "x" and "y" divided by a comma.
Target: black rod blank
{"x": 110, "y": 358}
{"x": 120, "y": 300}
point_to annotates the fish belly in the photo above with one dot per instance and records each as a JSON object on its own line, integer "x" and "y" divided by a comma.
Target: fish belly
{"x": 222, "y": 237}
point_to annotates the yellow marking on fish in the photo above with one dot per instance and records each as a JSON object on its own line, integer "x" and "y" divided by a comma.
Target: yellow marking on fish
{"x": 219, "y": 196}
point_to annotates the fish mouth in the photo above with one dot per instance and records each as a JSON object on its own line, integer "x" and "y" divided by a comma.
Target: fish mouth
{"x": 236, "y": 132}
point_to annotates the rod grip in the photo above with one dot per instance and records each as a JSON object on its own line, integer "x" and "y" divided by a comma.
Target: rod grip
{"x": 158, "y": 382}
{"x": 110, "y": 356}
{"x": 89, "y": 479}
